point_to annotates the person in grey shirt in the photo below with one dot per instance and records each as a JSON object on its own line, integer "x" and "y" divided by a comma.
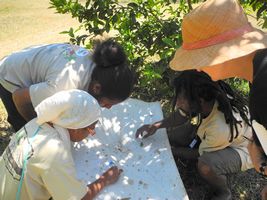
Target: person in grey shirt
{"x": 29, "y": 76}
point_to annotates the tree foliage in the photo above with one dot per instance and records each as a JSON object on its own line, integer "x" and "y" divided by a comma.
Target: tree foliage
{"x": 149, "y": 31}
{"x": 260, "y": 7}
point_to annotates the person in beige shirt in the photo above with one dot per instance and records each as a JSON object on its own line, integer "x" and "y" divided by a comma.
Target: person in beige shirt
{"x": 38, "y": 164}
{"x": 218, "y": 38}
{"x": 222, "y": 121}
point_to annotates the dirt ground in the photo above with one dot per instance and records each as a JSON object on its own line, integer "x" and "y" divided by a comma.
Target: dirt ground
{"x": 26, "y": 23}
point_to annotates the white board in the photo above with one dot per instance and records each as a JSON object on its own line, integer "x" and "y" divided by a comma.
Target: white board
{"x": 149, "y": 170}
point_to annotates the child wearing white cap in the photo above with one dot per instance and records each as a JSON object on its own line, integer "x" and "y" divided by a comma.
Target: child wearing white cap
{"x": 38, "y": 164}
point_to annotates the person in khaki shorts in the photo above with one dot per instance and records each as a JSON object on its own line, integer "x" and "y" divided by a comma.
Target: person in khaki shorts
{"x": 223, "y": 126}
{"x": 38, "y": 163}
{"x": 219, "y": 39}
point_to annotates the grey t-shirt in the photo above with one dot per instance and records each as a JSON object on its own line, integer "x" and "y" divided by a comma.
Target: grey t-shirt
{"x": 47, "y": 69}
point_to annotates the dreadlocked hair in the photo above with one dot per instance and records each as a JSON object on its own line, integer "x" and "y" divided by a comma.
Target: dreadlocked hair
{"x": 195, "y": 85}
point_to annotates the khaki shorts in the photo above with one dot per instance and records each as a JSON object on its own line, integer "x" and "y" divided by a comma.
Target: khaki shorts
{"x": 225, "y": 161}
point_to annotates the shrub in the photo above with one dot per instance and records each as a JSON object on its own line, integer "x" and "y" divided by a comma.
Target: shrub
{"x": 149, "y": 31}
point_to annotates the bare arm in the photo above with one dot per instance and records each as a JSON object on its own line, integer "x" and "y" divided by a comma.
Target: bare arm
{"x": 109, "y": 177}
{"x": 22, "y": 101}
{"x": 175, "y": 119}
{"x": 264, "y": 193}
{"x": 257, "y": 156}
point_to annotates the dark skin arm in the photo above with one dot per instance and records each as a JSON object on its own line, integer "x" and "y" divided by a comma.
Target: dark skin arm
{"x": 175, "y": 119}
{"x": 107, "y": 178}
{"x": 264, "y": 193}
{"x": 257, "y": 157}
{"x": 22, "y": 101}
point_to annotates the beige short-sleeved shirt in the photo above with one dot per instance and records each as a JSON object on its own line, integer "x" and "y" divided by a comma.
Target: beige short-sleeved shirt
{"x": 46, "y": 70}
{"x": 215, "y": 135}
{"x": 50, "y": 168}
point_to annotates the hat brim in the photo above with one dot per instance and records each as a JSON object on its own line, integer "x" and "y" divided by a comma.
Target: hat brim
{"x": 219, "y": 53}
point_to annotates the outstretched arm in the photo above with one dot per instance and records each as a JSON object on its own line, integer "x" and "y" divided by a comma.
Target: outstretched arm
{"x": 108, "y": 178}
{"x": 175, "y": 119}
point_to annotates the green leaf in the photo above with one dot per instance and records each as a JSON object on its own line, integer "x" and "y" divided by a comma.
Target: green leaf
{"x": 71, "y": 32}
{"x": 87, "y": 3}
{"x": 114, "y": 19}
{"x": 133, "y": 5}
{"x": 64, "y": 32}
{"x": 169, "y": 42}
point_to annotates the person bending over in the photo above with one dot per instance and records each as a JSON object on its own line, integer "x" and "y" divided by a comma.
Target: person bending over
{"x": 29, "y": 76}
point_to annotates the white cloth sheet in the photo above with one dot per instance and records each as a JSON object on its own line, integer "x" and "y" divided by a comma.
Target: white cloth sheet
{"x": 149, "y": 170}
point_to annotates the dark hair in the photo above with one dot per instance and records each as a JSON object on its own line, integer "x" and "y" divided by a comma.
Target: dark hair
{"x": 112, "y": 71}
{"x": 195, "y": 85}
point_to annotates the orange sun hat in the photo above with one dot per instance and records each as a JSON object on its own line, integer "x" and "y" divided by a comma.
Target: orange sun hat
{"x": 213, "y": 33}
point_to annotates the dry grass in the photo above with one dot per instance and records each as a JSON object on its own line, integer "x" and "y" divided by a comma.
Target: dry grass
{"x": 26, "y": 23}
